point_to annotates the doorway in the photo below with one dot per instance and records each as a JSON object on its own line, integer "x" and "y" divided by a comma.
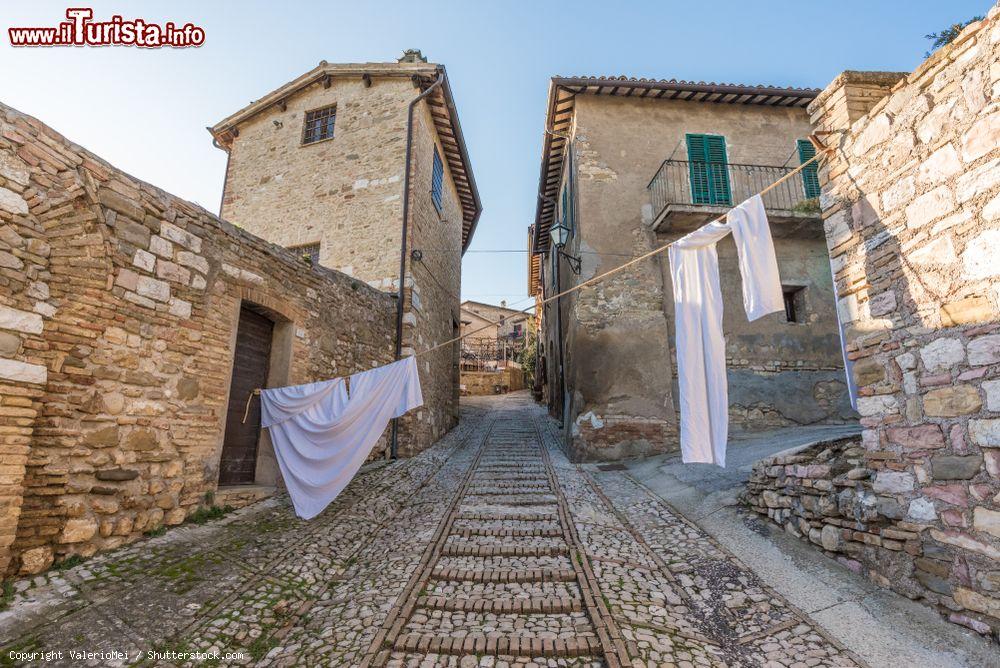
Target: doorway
{"x": 251, "y": 362}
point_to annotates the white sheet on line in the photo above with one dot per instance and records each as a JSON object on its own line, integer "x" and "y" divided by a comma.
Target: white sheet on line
{"x": 701, "y": 347}
{"x": 322, "y": 436}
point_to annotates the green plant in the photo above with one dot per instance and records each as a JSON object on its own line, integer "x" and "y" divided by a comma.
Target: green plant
{"x": 69, "y": 562}
{"x": 6, "y": 594}
{"x": 204, "y": 514}
{"x": 527, "y": 357}
{"x": 948, "y": 35}
{"x": 810, "y": 205}
{"x": 155, "y": 531}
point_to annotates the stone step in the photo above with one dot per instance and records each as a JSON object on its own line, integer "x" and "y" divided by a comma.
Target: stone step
{"x": 532, "y": 575}
{"x": 481, "y": 645}
{"x": 509, "y": 533}
{"x": 517, "y": 517}
{"x": 543, "y": 606}
{"x": 453, "y": 550}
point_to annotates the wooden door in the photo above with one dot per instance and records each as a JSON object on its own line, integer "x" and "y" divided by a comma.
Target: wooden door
{"x": 250, "y": 364}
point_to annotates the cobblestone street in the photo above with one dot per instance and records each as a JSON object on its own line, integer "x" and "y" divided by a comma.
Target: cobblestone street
{"x": 490, "y": 549}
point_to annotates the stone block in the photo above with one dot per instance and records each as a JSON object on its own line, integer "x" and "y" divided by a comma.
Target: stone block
{"x": 981, "y": 138}
{"x": 152, "y": 288}
{"x": 955, "y": 494}
{"x": 968, "y": 311}
{"x": 877, "y": 405}
{"x": 942, "y": 354}
{"x": 985, "y": 433}
{"x": 121, "y": 204}
{"x": 22, "y": 372}
{"x": 988, "y": 605}
{"x": 956, "y": 467}
{"x": 196, "y": 262}
{"x": 987, "y": 520}
{"x": 929, "y": 207}
{"x": 11, "y": 202}
{"x": 984, "y": 350}
{"x": 921, "y": 510}
{"x": 979, "y": 259}
{"x": 952, "y": 401}
{"x": 893, "y": 482}
{"x": 173, "y": 272}
{"x": 924, "y": 437}
{"x": 992, "y": 390}
{"x": 144, "y": 260}
{"x": 179, "y": 236}
{"x": 17, "y": 320}
{"x": 78, "y": 530}
{"x": 10, "y": 344}
{"x": 117, "y": 475}
{"x": 868, "y": 371}
{"x": 980, "y": 180}
{"x": 940, "y": 166}
{"x": 36, "y": 560}
{"x": 162, "y": 247}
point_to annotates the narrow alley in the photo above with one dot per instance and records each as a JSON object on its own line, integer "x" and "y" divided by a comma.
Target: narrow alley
{"x": 489, "y": 549}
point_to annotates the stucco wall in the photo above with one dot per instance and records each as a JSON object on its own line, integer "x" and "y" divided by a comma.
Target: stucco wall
{"x": 118, "y": 312}
{"x": 913, "y": 226}
{"x": 619, "y": 332}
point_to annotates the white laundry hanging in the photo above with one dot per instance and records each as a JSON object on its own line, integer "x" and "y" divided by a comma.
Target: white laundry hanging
{"x": 322, "y": 436}
{"x": 701, "y": 347}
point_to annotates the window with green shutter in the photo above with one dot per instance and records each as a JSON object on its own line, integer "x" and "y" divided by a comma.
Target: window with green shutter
{"x": 810, "y": 174}
{"x": 708, "y": 168}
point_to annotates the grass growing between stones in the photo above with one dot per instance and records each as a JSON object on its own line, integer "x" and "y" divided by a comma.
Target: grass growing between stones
{"x": 203, "y": 514}
{"x": 6, "y": 594}
{"x": 68, "y": 563}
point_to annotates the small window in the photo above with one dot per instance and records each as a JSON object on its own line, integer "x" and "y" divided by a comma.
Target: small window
{"x": 308, "y": 252}
{"x": 795, "y": 303}
{"x": 319, "y": 124}
{"x": 437, "y": 180}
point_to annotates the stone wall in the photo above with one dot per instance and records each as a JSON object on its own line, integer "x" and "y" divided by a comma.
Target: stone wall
{"x": 478, "y": 383}
{"x": 912, "y": 215}
{"x": 118, "y": 312}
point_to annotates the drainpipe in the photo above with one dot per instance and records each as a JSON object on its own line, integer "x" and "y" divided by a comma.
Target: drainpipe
{"x": 394, "y": 447}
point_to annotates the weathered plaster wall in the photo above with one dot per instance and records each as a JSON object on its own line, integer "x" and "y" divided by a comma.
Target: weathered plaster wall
{"x": 619, "y": 332}
{"x": 913, "y": 224}
{"x": 118, "y": 310}
{"x": 346, "y": 193}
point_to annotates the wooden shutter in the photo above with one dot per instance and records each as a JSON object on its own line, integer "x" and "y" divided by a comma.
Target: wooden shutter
{"x": 810, "y": 174}
{"x": 708, "y": 168}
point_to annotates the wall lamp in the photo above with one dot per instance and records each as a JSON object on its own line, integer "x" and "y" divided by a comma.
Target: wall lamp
{"x": 559, "y": 235}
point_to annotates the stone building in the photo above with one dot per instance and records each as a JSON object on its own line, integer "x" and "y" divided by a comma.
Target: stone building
{"x": 133, "y": 326}
{"x": 319, "y": 166}
{"x": 912, "y": 213}
{"x": 492, "y": 322}
{"x": 630, "y": 164}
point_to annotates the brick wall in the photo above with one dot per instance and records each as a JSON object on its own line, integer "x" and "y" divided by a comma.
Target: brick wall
{"x": 912, "y": 216}
{"x": 118, "y": 309}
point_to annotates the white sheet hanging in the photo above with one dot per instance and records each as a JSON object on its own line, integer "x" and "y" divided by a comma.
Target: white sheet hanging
{"x": 701, "y": 347}
{"x": 321, "y": 436}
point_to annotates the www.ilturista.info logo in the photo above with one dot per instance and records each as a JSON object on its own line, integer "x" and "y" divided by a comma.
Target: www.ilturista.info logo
{"x": 81, "y": 30}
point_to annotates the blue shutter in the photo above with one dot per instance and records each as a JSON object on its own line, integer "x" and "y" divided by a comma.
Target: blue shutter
{"x": 810, "y": 174}
{"x": 708, "y": 168}
{"x": 437, "y": 180}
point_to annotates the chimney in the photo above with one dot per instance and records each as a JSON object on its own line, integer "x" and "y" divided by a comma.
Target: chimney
{"x": 412, "y": 56}
{"x": 503, "y": 303}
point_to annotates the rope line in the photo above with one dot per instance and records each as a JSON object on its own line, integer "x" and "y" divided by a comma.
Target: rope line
{"x": 640, "y": 258}
{"x": 600, "y": 277}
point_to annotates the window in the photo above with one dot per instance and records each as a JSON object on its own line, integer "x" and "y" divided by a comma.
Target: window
{"x": 437, "y": 180}
{"x": 795, "y": 303}
{"x": 708, "y": 169}
{"x": 810, "y": 174}
{"x": 319, "y": 124}
{"x": 307, "y": 252}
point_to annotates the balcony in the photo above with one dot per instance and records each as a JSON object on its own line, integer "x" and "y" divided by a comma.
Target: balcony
{"x": 679, "y": 208}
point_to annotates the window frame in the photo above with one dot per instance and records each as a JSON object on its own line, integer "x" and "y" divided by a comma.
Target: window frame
{"x": 794, "y": 297}
{"x": 305, "y": 140}
{"x": 437, "y": 180}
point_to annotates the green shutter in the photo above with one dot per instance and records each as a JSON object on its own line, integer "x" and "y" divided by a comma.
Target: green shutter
{"x": 708, "y": 168}
{"x": 810, "y": 174}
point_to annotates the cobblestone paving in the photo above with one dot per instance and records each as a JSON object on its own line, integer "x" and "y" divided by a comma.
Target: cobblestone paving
{"x": 491, "y": 549}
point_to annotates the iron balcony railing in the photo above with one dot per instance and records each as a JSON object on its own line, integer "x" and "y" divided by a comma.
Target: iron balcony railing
{"x": 684, "y": 183}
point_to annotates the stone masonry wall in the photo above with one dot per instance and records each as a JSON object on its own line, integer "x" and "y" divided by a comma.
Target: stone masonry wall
{"x": 346, "y": 193}
{"x": 912, "y": 214}
{"x": 118, "y": 312}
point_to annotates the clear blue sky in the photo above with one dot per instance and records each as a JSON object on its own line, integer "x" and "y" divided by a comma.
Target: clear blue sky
{"x": 146, "y": 110}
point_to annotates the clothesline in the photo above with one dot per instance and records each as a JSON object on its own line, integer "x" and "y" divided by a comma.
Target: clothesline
{"x": 822, "y": 151}
{"x": 615, "y": 270}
